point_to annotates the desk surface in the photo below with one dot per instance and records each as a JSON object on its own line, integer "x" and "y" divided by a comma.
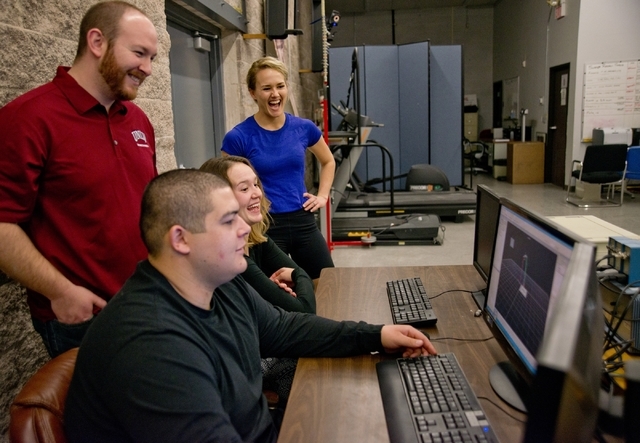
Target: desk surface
{"x": 338, "y": 400}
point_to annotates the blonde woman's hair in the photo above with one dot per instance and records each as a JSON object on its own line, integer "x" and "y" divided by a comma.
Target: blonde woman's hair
{"x": 265, "y": 63}
{"x": 220, "y": 166}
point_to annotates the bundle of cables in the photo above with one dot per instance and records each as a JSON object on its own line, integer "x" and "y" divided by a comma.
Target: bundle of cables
{"x": 614, "y": 345}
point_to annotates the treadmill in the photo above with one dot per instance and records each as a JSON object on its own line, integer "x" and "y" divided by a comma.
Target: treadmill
{"x": 408, "y": 217}
{"x": 411, "y": 216}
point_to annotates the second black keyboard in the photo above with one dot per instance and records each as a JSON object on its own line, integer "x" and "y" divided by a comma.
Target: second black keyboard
{"x": 430, "y": 400}
{"x": 409, "y": 303}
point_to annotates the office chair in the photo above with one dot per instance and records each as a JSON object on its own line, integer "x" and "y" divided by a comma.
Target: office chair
{"x": 475, "y": 152}
{"x": 37, "y": 412}
{"x": 602, "y": 165}
{"x": 633, "y": 167}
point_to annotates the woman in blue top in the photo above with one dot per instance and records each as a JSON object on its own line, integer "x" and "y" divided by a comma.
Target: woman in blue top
{"x": 275, "y": 143}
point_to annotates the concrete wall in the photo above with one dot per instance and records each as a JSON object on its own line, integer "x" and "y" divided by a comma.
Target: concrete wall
{"x": 606, "y": 34}
{"x": 528, "y": 41}
{"x": 39, "y": 36}
{"x": 592, "y": 31}
{"x": 470, "y": 27}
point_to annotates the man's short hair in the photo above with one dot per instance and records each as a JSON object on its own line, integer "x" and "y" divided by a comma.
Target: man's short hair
{"x": 178, "y": 197}
{"x": 104, "y": 16}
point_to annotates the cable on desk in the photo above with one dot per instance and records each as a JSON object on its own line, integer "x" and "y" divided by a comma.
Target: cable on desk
{"x": 616, "y": 339}
{"x": 501, "y": 408}
{"x": 451, "y": 290}
{"x": 611, "y": 333}
{"x": 606, "y": 257}
{"x": 615, "y": 361}
{"x": 460, "y": 339}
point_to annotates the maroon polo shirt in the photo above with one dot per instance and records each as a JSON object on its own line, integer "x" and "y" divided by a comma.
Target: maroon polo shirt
{"x": 72, "y": 176}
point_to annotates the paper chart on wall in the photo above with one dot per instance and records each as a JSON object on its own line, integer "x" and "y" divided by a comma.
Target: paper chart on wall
{"x": 611, "y": 96}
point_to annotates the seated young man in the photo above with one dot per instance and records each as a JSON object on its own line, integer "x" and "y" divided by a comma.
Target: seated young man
{"x": 175, "y": 356}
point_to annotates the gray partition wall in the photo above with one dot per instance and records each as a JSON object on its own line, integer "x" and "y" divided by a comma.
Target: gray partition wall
{"x": 414, "y": 104}
{"x": 398, "y": 89}
{"x": 447, "y": 111}
{"x": 382, "y": 105}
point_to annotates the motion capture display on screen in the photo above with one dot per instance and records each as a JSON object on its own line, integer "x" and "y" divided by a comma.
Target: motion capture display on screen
{"x": 531, "y": 257}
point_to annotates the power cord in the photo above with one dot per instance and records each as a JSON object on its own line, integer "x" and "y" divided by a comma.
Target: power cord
{"x": 611, "y": 333}
{"x": 451, "y": 290}
{"x": 462, "y": 339}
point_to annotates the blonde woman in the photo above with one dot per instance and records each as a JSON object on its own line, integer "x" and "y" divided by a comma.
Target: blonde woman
{"x": 271, "y": 272}
{"x": 276, "y": 143}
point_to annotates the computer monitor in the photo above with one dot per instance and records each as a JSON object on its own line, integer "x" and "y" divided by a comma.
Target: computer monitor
{"x": 531, "y": 257}
{"x": 487, "y": 213}
{"x": 564, "y": 396}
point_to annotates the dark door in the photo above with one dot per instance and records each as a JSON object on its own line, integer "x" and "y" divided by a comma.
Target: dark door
{"x": 497, "y": 105}
{"x": 556, "y": 146}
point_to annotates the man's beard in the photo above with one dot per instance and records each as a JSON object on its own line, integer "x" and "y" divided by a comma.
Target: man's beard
{"x": 115, "y": 77}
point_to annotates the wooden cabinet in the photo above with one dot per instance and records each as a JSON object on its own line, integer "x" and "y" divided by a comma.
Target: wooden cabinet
{"x": 471, "y": 126}
{"x": 525, "y": 162}
{"x": 498, "y": 158}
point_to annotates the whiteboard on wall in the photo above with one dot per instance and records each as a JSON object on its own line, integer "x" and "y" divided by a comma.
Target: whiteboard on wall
{"x": 611, "y": 96}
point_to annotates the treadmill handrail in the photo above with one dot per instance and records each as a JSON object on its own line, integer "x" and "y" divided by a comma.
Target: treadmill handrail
{"x": 384, "y": 151}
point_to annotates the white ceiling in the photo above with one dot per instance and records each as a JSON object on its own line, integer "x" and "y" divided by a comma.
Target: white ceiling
{"x": 363, "y": 6}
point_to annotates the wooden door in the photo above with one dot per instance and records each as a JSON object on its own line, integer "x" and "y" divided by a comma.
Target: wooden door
{"x": 556, "y": 144}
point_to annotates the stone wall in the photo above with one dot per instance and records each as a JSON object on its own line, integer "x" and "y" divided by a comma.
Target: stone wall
{"x": 36, "y": 38}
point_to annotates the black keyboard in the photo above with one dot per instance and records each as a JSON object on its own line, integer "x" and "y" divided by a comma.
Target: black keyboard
{"x": 428, "y": 399}
{"x": 409, "y": 303}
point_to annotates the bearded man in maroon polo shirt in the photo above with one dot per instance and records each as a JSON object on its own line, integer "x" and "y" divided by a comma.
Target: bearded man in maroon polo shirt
{"x": 75, "y": 157}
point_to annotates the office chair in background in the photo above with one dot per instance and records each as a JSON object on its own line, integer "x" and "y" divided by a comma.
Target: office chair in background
{"x": 477, "y": 154}
{"x": 602, "y": 165}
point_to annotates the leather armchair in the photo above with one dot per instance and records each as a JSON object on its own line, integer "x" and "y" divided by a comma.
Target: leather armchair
{"x": 37, "y": 412}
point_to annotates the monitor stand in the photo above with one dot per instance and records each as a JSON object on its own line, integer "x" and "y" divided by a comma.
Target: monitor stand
{"x": 480, "y": 297}
{"x": 509, "y": 386}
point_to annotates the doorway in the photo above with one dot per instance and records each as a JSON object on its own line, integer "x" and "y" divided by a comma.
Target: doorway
{"x": 556, "y": 148}
{"x": 196, "y": 97}
{"x": 497, "y": 105}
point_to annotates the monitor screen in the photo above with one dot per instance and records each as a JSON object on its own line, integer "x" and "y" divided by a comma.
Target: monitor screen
{"x": 487, "y": 212}
{"x": 531, "y": 257}
{"x": 563, "y": 405}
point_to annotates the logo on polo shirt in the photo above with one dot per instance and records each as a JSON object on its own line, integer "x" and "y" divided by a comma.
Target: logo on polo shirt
{"x": 140, "y": 138}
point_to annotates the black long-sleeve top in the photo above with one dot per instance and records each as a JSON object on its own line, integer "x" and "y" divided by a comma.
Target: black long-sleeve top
{"x": 154, "y": 367}
{"x": 266, "y": 258}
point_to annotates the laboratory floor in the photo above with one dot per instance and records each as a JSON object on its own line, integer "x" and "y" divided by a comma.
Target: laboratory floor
{"x": 457, "y": 247}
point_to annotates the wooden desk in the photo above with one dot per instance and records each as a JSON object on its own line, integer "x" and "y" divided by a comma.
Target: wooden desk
{"x": 338, "y": 400}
